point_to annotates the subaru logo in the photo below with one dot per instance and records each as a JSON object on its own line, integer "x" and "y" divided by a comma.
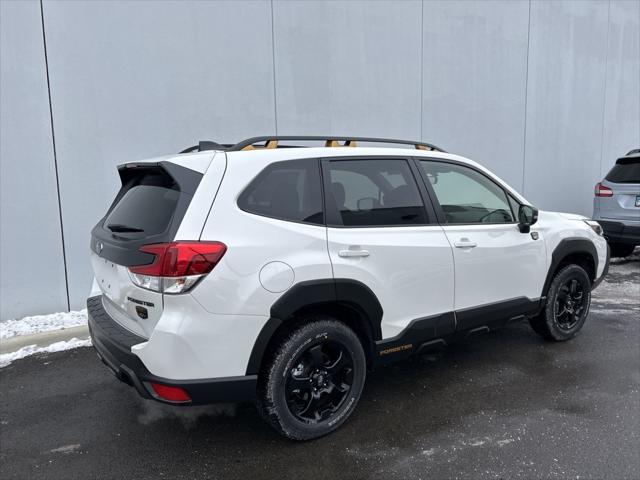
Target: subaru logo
{"x": 99, "y": 247}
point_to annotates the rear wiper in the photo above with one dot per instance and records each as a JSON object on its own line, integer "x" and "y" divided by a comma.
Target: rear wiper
{"x": 118, "y": 227}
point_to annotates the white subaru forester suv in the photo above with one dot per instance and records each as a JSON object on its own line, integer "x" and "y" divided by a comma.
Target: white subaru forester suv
{"x": 279, "y": 273}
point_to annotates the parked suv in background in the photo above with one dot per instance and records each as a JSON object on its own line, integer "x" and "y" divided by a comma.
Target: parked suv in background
{"x": 281, "y": 274}
{"x": 616, "y": 205}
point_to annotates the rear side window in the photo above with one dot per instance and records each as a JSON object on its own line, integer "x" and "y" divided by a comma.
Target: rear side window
{"x": 626, "y": 170}
{"x": 372, "y": 192}
{"x": 144, "y": 209}
{"x": 287, "y": 190}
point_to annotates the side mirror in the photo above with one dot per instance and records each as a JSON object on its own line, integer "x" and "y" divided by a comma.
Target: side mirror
{"x": 527, "y": 216}
{"x": 366, "y": 204}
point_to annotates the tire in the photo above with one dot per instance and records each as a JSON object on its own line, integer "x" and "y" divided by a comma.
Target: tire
{"x": 326, "y": 360}
{"x": 564, "y": 315}
{"x": 621, "y": 249}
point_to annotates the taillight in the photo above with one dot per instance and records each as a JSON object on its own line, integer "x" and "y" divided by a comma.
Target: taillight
{"x": 177, "y": 266}
{"x": 170, "y": 394}
{"x": 602, "y": 191}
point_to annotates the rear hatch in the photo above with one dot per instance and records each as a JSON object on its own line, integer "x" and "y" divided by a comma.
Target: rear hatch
{"x": 148, "y": 209}
{"x": 624, "y": 182}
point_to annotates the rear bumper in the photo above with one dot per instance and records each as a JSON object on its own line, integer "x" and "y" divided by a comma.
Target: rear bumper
{"x": 619, "y": 232}
{"x": 113, "y": 344}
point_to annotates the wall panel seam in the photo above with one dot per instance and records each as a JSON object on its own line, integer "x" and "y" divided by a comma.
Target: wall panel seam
{"x": 526, "y": 96}
{"x": 421, "y": 70}
{"x": 604, "y": 96}
{"x": 273, "y": 62}
{"x": 55, "y": 157}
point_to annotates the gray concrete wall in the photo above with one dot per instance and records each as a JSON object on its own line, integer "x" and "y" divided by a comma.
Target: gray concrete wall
{"x": 546, "y": 94}
{"x": 32, "y": 277}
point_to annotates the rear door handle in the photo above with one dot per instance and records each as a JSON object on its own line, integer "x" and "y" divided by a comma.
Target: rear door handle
{"x": 353, "y": 253}
{"x": 465, "y": 243}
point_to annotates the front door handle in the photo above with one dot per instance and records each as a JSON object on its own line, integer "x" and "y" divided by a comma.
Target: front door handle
{"x": 353, "y": 253}
{"x": 465, "y": 243}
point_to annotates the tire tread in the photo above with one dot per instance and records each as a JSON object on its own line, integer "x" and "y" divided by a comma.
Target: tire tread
{"x": 267, "y": 394}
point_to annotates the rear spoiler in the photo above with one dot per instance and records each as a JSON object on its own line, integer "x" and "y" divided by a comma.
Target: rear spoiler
{"x": 186, "y": 179}
{"x": 632, "y": 157}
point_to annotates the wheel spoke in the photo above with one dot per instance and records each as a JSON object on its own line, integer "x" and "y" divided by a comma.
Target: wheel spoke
{"x": 336, "y": 366}
{"x": 572, "y": 288}
{"x": 299, "y": 383}
{"x": 571, "y": 303}
{"x": 317, "y": 387}
{"x": 317, "y": 359}
{"x": 343, "y": 387}
{"x": 310, "y": 405}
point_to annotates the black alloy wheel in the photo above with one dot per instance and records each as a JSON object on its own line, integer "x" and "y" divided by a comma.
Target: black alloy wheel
{"x": 320, "y": 382}
{"x": 313, "y": 379}
{"x": 570, "y": 303}
{"x": 567, "y": 305}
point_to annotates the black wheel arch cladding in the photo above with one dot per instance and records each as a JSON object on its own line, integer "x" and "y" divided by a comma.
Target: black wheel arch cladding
{"x": 567, "y": 248}
{"x": 321, "y": 293}
{"x": 358, "y": 297}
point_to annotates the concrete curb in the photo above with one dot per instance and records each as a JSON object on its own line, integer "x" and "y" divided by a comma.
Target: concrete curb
{"x": 43, "y": 339}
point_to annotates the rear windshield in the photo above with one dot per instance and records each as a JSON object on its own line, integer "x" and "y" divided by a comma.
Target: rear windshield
{"x": 626, "y": 170}
{"x": 149, "y": 208}
{"x": 143, "y": 209}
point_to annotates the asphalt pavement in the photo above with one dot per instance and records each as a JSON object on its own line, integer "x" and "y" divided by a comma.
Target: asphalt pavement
{"x": 503, "y": 405}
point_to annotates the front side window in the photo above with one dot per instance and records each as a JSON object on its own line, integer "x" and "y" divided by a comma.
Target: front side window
{"x": 515, "y": 206}
{"x": 465, "y": 195}
{"x": 373, "y": 192}
{"x": 287, "y": 190}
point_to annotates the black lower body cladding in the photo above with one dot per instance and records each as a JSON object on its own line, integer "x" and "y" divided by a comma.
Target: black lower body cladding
{"x": 618, "y": 232}
{"x": 113, "y": 344}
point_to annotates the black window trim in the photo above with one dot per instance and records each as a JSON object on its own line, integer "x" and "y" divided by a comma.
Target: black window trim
{"x": 431, "y": 206}
{"x": 323, "y": 224}
{"x": 436, "y": 203}
{"x": 331, "y": 215}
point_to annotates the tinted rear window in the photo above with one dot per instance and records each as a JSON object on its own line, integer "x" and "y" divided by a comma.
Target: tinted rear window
{"x": 373, "y": 192}
{"x": 626, "y": 170}
{"x": 148, "y": 208}
{"x": 287, "y": 190}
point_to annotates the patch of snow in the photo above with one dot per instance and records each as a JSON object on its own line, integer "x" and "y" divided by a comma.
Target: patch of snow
{"x": 626, "y": 292}
{"x": 506, "y": 441}
{"x": 476, "y": 443}
{"x": 602, "y": 310}
{"x": 66, "y": 449}
{"x": 634, "y": 257}
{"x": 42, "y": 323}
{"x": 7, "y": 358}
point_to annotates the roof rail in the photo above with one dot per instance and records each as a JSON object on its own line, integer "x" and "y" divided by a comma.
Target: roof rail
{"x": 329, "y": 141}
{"x": 634, "y": 151}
